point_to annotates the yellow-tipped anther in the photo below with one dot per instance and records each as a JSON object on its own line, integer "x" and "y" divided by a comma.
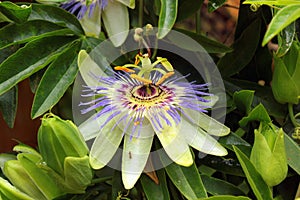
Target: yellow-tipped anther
{"x": 144, "y": 80}
{"x": 136, "y": 123}
{"x": 164, "y": 77}
{"x": 125, "y": 69}
{"x": 137, "y": 59}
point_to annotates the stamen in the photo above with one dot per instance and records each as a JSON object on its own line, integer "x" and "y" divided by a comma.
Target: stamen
{"x": 163, "y": 78}
{"x": 136, "y": 123}
{"x": 125, "y": 69}
{"x": 144, "y": 80}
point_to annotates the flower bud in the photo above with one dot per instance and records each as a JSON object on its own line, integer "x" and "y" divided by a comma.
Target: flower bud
{"x": 63, "y": 149}
{"x": 8, "y": 191}
{"x": 268, "y": 154}
{"x": 286, "y": 76}
{"x": 25, "y": 174}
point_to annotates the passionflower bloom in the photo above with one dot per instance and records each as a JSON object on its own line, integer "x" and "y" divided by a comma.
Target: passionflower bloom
{"x": 114, "y": 14}
{"x": 137, "y": 104}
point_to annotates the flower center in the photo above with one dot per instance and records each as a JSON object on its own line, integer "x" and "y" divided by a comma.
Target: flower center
{"x": 146, "y": 92}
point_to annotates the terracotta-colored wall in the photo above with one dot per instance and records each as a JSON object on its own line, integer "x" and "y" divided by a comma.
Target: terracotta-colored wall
{"x": 25, "y": 129}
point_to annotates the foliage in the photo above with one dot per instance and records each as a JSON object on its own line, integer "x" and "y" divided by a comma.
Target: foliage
{"x": 45, "y": 44}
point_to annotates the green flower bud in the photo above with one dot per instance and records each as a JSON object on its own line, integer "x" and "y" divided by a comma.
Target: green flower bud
{"x": 26, "y": 175}
{"x": 66, "y": 154}
{"x": 268, "y": 154}
{"x": 286, "y": 76}
{"x": 8, "y": 191}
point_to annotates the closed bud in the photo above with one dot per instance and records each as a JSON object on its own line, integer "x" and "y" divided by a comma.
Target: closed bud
{"x": 286, "y": 76}
{"x": 64, "y": 151}
{"x": 268, "y": 154}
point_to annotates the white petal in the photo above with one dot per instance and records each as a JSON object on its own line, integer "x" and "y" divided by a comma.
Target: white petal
{"x": 116, "y": 21}
{"x": 87, "y": 67}
{"x": 92, "y": 25}
{"x": 174, "y": 145}
{"x": 128, "y": 3}
{"x": 200, "y": 140}
{"x": 209, "y": 124}
{"x": 135, "y": 154}
{"x": 105, "y": 145}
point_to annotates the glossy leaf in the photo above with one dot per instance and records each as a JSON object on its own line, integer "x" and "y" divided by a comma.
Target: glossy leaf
{"x": 215, "y": 4}
{"x": 56, "y": 15}
{"x": 186, "y": 179}
{"x": 10, "y": 34}
{"x": 44, "y": 49}
{"x": 167, "y": 17}
{"x": 227, "y": 197}
{"x": 13, "y": 12}
{"x": 216, "y": 186}
{"x": 210, "y": 45}
{"x": 259, "y": 187}
{"x": 243, "y": 100}
{"x": 56, "y": 80}
{"x": 292, "y": 153}
{"x": 243, "y": 50}
{"x": 282, "y": 19}
{"x": 8, "y": 106}
{"x": 285, "y": 39}
{"x": 187, "y": 8}
{"x": 258, "y": 113}
{"x": 155, "y": 191}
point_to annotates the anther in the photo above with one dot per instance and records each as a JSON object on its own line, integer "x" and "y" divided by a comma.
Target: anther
{"x": 125, "y": 69}
{"x": 163, "y": 78}
{"x": 136, "y": 123}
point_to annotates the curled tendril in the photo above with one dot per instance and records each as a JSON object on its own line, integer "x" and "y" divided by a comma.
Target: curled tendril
{"x": 254, "y": 7}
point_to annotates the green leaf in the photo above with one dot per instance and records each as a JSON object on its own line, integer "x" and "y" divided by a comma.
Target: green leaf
{"x": 8, "y": 191}
{"x": 167, "y": 17}
{"x": 292, "y": 153}
{"x": 233, "y": 139}
{"x": 227, "y": 197}
{"x": 187, "y": 8}
{"x": 243, "y": 50}
{"x": 56, "y": 15}
{"x": 56, "y": 80}
{"x": 21, "y": 33}
{"x": 259, "y": 113}
{"x": 285, "y": 39}
{"x": 186, "y": 179}
{"x": 210, "y": 45}
{"x": 27, "y": 60}
{"x": 8, "y": 106}
{"x": 243, "y": 100}
{"x": 282, "y": 19}
{"x": 216, "y": 186}
{"x": 155, "y": 191}
{"x": 272, "y": 2}
{"x": 11, "y": 11}
{"x": 259, "y": 187}
{"x": 214, "y": 5}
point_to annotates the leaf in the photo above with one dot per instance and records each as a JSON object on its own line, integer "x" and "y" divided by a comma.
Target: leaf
{"x": 259, "y": 187}
{"x": 23, "y": 63}
{"x": 216, "y": 186}
{"x": 292, "y": 153}
{"x": 214, "y": 5}
{"x": 272, "y": 2}
{"x": 56, "y": 80}
{"x": 227, "y": 197}
{"x": 18, "y": 14}
{"x": 8, "y": 191}
{"x": 285, "y": 39}
{"x": 210, "y": 45}
{"x": 186, "y": 179}
{"x": 155, "y": 191}
{"x": 233, "y": 139}
{"x": 282, "y": 19}
{"x": 243, "y": 50}
{"x": 167, "y": 17}
{"x": 56, "y": 15}
{"x": 187, "y": 8}
{"x": 243, "y": 100}
{"x": 259, "y": 113}
{"x": 8, "y": 106}
{"x": 21, "y": 33}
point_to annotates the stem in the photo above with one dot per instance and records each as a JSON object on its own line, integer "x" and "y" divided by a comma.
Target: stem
{"x": 198, "y": 19}
{"x": 141, "y": 13}
{"x": 292, "y": 116}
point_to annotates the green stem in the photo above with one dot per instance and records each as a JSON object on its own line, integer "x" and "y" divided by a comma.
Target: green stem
{"x": 141, "y": 13}
{"x": 292, "y": 116}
